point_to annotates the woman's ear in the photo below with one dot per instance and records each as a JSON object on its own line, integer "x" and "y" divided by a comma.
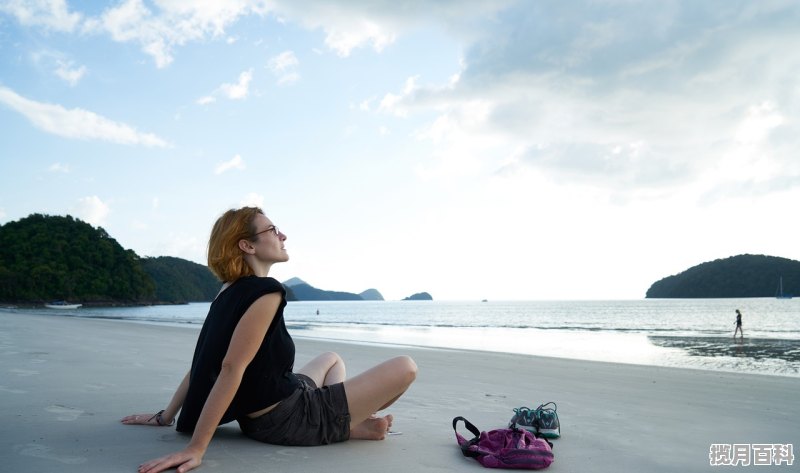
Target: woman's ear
{"x": 246, "y": 246}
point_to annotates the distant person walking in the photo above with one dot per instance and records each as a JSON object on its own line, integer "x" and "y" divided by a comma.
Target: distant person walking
{"x": 738, "y": 325}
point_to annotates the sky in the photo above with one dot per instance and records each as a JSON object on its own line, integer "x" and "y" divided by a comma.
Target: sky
{"x": 502, "y": 150}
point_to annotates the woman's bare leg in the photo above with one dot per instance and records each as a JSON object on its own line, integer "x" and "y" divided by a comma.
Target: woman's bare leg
{"x": 376, "y": 389}
{"x": 326, "y": 369}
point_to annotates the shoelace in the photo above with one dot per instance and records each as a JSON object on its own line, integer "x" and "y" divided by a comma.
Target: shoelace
{"x": 526, "y": 414}
{"x": 543, "y": 408}
{"x": 539, "y": 410}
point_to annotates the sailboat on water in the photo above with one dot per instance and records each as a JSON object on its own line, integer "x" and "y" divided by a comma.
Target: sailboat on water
{"x": 779, "y": 294}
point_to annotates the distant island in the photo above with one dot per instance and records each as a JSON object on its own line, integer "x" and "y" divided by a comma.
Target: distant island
{"x": 371, "y": 295}
{"x": 46, "y": 258}
{"x": 738, "y": 276}
{"x": 299, "y": 290}
{"x": 420, "y": 296}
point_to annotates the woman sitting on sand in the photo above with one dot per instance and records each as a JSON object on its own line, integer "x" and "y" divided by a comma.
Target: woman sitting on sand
{"x": 243, "y": 363}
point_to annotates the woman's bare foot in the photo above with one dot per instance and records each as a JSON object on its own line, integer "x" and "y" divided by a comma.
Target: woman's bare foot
{"x": 389, "y": 417}
{"x": 374, "y": 428}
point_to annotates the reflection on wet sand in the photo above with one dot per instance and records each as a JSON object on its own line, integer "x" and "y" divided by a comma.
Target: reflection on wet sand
{"x": 756, "y": 348}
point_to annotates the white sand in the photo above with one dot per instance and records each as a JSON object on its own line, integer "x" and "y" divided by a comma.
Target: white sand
{"x": 65, "y": 383}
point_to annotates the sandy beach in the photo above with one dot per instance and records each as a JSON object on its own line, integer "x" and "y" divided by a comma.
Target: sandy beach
{"x": 65, "y": 383}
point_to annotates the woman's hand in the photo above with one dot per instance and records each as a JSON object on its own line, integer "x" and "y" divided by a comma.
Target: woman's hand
{"x": 185, "y": 460}
{"x": 143, "y": 419}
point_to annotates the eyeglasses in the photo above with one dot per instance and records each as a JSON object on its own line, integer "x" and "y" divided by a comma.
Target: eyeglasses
{"x": 271, "y": 228}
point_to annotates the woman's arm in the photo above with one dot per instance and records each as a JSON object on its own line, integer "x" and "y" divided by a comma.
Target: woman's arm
{"x": 246, "y": 339}
{"x": 168, "y": 415}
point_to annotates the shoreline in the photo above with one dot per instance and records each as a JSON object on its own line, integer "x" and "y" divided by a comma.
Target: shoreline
{"x": 93, "y": 304}
{"x": 732, "y": 365}
{"x": 710, "y": 352}
{"x": 66, "y": 382}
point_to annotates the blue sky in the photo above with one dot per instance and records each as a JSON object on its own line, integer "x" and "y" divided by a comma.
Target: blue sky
{"x": 471, "y": 149}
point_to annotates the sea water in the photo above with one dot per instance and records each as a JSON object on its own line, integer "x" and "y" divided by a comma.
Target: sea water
{"x": 690, "y": 333}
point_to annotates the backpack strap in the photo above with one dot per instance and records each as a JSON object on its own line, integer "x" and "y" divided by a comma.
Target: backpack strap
{"x": 465, "y": 446}
{"x": 468, "y": 424}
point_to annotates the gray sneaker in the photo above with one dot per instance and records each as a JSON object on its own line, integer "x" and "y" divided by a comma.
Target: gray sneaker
{"x": 523, "y": 418}
{"x": 547, "y": 421}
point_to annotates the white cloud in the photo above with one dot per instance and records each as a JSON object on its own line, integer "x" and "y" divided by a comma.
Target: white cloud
{"x": 160, "y": 27}
{"x": 252, "y": 200}
{"x": 347, "y": 25}
{"x": 50, "y": 14}
{"x": 365, "y": 105}
{"x": 289, "y": 78}
{"x": 283, "y": 67}
{"x": 235, "y": 163}
{"x": 282, "y": 62}
{"x": 239, "y": 90}
{"x": 465, "y": 144}
{"x": 58, "y": 167}
{"x": 69, "y": 73}
{"x": 345, "y": 37}
{"x": 758, "y": 122}
{"x": 618, "y": 102}
{"x": 236, "y": 91}
{"x": 173, "y": 24}
{"x": 92, "y": 210}
{"x": 396, "y": 104}
{"x": 206, "y": 100}
{"x": 377, "y": 24}
{"x": 76, "y": 123}
{"x": 62, "y": 67}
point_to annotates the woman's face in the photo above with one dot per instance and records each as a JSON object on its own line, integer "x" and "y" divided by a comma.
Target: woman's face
{"x": 270, "y": 243}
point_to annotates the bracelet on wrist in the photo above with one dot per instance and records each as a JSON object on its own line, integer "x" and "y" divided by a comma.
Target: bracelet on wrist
{"x": 159, "y": 417}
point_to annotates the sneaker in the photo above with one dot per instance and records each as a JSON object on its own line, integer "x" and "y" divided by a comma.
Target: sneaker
{"x": 546, "y": 420}
{"x": 523, "y": 418}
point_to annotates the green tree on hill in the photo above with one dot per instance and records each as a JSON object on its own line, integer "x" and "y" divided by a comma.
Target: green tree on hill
{"x": 179, "y": 280}
{"x": 737, "y": 276}
{"x": 45, "y": 258}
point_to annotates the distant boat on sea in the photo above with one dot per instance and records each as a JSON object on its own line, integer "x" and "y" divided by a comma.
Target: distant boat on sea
{"x": 779, "y": 294}
{"x": 62, "y": 305}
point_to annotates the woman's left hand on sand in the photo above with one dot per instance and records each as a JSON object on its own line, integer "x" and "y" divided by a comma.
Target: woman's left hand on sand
{"x": 141, "y": 419}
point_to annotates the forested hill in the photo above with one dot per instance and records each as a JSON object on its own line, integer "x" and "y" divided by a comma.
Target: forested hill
{"x": 180, "y": 280}
{"x": 45, "y": 258}
{"x": 737, "y": 276}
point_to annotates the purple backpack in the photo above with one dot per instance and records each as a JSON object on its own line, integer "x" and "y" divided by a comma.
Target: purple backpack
{"x": 505, "y": 448}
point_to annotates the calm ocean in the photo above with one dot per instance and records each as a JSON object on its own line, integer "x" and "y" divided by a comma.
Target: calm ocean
{"x": 690, "y": 333}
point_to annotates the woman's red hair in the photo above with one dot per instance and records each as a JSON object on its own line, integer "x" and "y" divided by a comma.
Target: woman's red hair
{"x": 225, "y": 259}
